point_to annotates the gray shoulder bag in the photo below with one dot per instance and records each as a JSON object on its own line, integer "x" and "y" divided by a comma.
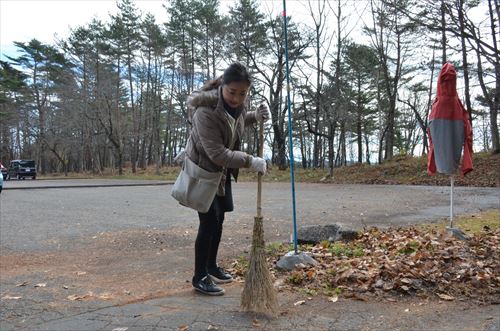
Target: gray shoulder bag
{"x": 196, "y": 187}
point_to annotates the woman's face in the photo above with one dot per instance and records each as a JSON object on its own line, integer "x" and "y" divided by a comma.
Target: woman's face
{"x": 235, "y": 93}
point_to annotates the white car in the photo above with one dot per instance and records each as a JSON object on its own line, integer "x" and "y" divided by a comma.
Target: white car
{"x": 3, "y": 170}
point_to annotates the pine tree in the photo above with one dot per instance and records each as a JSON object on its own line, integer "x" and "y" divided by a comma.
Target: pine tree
{"x": 44, "y": 65}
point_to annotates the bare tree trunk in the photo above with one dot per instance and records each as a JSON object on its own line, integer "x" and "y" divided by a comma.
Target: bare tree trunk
{"x": 18, "y": 141}
{"x": 135, "y": 124}
{"x": 316, "y": 147}
{"x": 302, "y": 147}
{"x": 367, "y": 146}
{"x": 213, "y": 58}
{"x": 344, "y": 142}
{"x": 381, "y": 124}
{"x": 492, "y": 101}
{"x": 319, "y": 28}
{"x": 425, "y": 142}
{"x": 443, "y": 31}
{"x": 331, "y": 149}
{"x": 168, "y": 126}
{"x": 117, "y": 143}
{"x": 468, "y": 103}
{"x": 359, "y": 127}
{"x": 496, "y": 99}
{"x": 40, "y": 105}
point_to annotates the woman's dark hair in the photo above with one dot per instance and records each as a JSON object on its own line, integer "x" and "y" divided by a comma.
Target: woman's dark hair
{"x": 236, "y": 72}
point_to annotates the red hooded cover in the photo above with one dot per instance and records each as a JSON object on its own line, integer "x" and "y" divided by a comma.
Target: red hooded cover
{"x": 449, "y": 128}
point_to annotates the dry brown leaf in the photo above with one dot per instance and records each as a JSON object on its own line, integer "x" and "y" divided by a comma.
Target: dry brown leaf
{"x": 445, "y": 297}
{"x": 75, "y": 297}
{"x": 256, "y": 323}
{"x": 183, "y": 328}
{"x": 333, "y": 299}
{"x": 300, "y": 302}
{"x": 358, "y": 297}
{"x": 388, "y": 286}
{"x": 105, "y": 296}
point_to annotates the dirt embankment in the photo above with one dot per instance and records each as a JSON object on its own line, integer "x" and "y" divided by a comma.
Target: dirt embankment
{"x": 401, "y": 170}
{"x": 413, "y": 171}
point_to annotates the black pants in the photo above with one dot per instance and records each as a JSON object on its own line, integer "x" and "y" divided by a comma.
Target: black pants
{"x": 210, "y": 233}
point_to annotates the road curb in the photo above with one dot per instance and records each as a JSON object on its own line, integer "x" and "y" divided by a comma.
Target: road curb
{"x": 84, "y": 186}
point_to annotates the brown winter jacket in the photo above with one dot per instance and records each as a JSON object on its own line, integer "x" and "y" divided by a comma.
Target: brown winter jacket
{"x": 211, "y": 134}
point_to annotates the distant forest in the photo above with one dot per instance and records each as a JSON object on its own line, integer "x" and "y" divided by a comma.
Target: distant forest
{"x": 363, "y": 78}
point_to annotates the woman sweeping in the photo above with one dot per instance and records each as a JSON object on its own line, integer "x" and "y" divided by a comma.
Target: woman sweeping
{"x": 218, "y": 120}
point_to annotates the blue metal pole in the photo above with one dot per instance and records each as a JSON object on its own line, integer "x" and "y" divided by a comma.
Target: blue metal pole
{"x": 290, "y": 142}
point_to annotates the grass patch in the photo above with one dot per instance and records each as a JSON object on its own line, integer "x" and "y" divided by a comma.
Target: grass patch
{"x": 309, "y": 291}
{"x": 401, "y": 169}
{"x": 410, "y": 248}
{"x": 470, "y": 223}
{"x": 243, "y": 262}
{"x": 330, "y": 290}
{"x": 149, "y": 173}
{"x": 277, "y": 248}
{"x": 296, "y": 277}
{"x": 341, "y": 249}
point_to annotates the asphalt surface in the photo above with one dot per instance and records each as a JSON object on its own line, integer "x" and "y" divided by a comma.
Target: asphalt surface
{"x": 84, "y": 236}
{"x": 72, "y": 208}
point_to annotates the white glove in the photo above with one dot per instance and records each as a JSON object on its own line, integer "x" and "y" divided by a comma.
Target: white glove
{"x": 262, "y": 112}
{"x": 258, "y": 164}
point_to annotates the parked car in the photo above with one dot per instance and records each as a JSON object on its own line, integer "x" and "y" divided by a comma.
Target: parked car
{"x": 3, "y": 170}
{"x": 21, "y": 168}
{"x": 1, "y": 183}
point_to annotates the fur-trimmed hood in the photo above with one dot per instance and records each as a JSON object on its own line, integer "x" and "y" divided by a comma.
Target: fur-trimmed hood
{"x": 201, "y": 99}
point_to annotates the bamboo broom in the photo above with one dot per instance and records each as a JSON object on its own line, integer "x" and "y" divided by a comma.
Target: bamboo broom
{"x": 258, "y": 294}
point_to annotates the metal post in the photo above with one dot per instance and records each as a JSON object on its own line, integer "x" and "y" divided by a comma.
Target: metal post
{"x": 290, "y": 143}
{"x": 452, "y": 179}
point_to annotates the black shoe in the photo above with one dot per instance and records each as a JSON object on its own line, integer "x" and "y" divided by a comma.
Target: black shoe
{"x": 219, "y": 276}
{"x": 207, "y": 286}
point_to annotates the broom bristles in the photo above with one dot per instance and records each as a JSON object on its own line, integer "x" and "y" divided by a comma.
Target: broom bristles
{"x": 258, "y": 294}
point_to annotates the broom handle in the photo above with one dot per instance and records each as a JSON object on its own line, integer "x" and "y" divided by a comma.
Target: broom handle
{"x": 259, "y": 175}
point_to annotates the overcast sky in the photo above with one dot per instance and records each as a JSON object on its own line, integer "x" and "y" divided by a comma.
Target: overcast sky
{"x": 46, "y": 20}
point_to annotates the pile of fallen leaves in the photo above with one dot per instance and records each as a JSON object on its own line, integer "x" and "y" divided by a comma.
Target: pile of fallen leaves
{"x": 395, "y": 262}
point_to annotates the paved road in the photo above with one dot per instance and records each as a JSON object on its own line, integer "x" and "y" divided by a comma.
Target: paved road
{"x": 31, "y": 218}
{"x": 127, "y": 251}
